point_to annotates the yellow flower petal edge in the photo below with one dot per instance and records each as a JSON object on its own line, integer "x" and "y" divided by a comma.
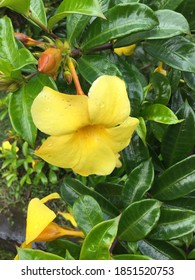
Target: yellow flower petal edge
{"x": 55, "y": 113}
{"x": 68, "y": 217}
{"x": 109, "y": 104}
{"x": 127, "y": 51}
{"x": 50, "y": 197}
{"x": 39, "y": 216}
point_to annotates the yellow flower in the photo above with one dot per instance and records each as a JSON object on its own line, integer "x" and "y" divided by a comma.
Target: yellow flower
{"x": 87, "y": 131}
{"x": 7, "y": 146}
{"x": 128, "y": 50}
{"x": 160, "y": 69}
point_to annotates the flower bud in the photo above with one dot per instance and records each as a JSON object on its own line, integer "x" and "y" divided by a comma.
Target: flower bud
{"x": 27, "y": 41}
{"x": 49, "y": 62}
{"x": 68, "y": 77}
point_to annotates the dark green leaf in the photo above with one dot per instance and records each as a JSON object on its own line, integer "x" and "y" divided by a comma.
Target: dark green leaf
{"x": 122, "y": 20}
{"x": 60, "y": 246}
{"x": 139, "y": 219}
{"x": 87, "y": 213}
{"x": 93, "y": 66}
{"x": 177, "y": 181}
{"x": 160, "y": 250}
{"x": 138, "y": 182}
{"x": 173, "y": 223}
{"x": 20, "y": 107}
{"x": 183, "y": 203}
{"x": 142, "y": 130}
{"x": 191, "y": 255}
{"x": 178, "y": 52}
{"x": 99, "y": 240}
{"x": 19, "y": 6}
{"x": 179, "y": 140}
{"x": 32, "y": 254}
{"x": 160, "y": 113}
{"x": 187, "y": 8}
{"x": 87, "y": 7}
{"x": 135, "y": 153}
{"x": 164, "y": 4}
{"x": 71, "y": 189}
{"x": 189, "y": 78}
{"x": 131, "y": 257}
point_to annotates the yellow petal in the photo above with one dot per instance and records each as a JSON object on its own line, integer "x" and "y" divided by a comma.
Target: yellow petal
{"x": 50, "y": 197}
{"x": 55, "y": 113}
{"x": 128, "y": 50}
{"x": 108, "y": 101}
{"x": 38, "y": 218}
{"x": 68, "y": 217}
{"x": 120, "y": 136}
{"x": 96, "y": 157}
{"x": 59, "y": 151}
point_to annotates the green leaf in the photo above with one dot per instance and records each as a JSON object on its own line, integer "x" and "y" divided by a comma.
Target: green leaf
{"x": 162, "y": 89}
{"x": 160, "y": 113}
{"x": 173, "y": 223}
{"x": 19, "y": 6}
{"x": 71, "y": 189}
{"x": 178, "y": 52}
{"x": 131, "y": 257}
{"x": 170, "y": 24}
{"x": 189, "y": 78}
{"x": 99, "y": 240}
{"x": 139, "y": 219}
{"x": 142, "y": 130}
{"x": 60, "y": 246}
{"x": 87, "y": 213}
{"x": 179, "y": 140}
{"x": 160, "y": 250}
{"x": 187, "y": 8}
{"x": 20, "y": 106}
{"x": 165, "y": 4}
{"x": 177, "y": 181}
{"x": 85, "y": 7}
{"x": 138, "y": 182}
{"x": 37, "y": 9}
{"x": 122, "y": 20}
{"x": 135, "y": 153}
{"x": 32, "y": 254}
{"x": 93, "y": 66}
{"x": 183, "y": 203}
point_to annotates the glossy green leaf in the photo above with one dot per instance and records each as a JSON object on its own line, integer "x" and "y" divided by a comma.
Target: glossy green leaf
{"x": 71, "y": 189}
{"x": 179, "y": 140}
{"x": 122, "y": 20}
{"x": 160, "y": 113}
{"x": 161, "y": 87}
{"x": 178, "y": 52}
{"x": 160, "y": 250}
{"x": 142, "y": 130}
{"x": 164, "y": 4}
{"x": 177, "y": 181}
{"x": 139, "y": 219}
{"x": 191, "y": 255}
{"x": 189, "y": 78}
{"x": 85, "y": 7}
{"x": 183, "y": 203}
{"x": 87, "y": 213}
{"x": 32, "y": 254}
{"x": 112, "y": 192}
{"x": 138, "y": 182}
{"x": 116, "y": 2}
{"x": 173, "y": 223}
{"x": 93, "y": 66}
{"x": 19, "y": 6}
{"x": 99, "y": 240}
{"x": 20, "y": 106}
{"x": 60, "y": 246}
{"x": 135, "y": 153}
{"x": 130, "y": 257}
{"x": 187, "y": 8}
{"x": 170, "y": 24}
{"x": 37, "y": 9}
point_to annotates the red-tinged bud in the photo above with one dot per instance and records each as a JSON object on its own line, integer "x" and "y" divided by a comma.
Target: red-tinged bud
{"x": 68, "y": 77}
{"x": 27, "y": 41}
{"x": 49, "y": 61}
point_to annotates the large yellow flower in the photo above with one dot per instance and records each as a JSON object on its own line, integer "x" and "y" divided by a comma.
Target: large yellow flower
{"x": 87, "y": 131}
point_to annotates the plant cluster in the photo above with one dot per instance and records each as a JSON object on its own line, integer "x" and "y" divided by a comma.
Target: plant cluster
{"x": 76, "y": 73}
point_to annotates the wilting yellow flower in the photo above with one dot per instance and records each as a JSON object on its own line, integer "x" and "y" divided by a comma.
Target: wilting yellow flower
{"x": 160, "y": 69}
{"x": 128, "y": 50}
{"x": 87, "y": 131}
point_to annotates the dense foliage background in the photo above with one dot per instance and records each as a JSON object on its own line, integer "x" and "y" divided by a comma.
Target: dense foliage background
{"x": 146, "y": 208}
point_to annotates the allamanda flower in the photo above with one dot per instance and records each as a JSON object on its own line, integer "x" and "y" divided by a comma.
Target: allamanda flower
{"x": 39, "y": 223}
{"x": 87, "y": 132}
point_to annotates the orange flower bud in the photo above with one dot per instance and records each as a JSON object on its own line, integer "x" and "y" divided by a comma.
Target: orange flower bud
{"x": 50, "y": 61}
{"x": 27, "y": 41}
